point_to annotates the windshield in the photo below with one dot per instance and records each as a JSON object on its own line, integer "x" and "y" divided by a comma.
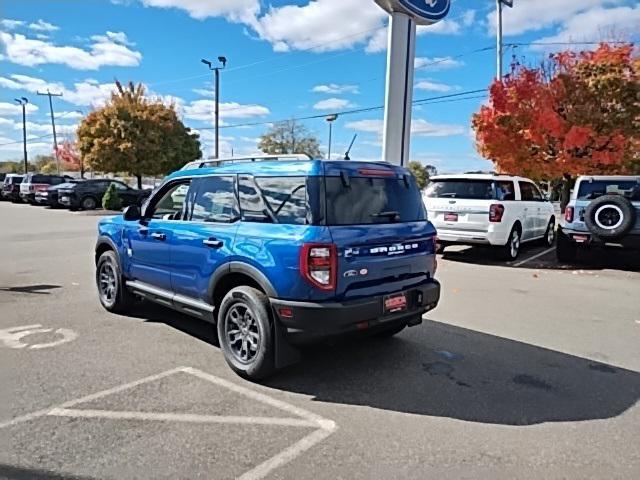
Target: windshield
{"x": 368, "y": 200}
{"x": 596, "y": 188}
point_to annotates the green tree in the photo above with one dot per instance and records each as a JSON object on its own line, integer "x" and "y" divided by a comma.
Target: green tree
{"x": 135, "y": 134}
{"x": 421, "y": 172}
{"x": 289, "y": 137}
{"x": 110, "y": 199}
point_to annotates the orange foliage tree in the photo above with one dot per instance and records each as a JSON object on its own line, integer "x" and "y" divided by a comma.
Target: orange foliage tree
{"x": 580, "y": 114}
{"x": 70, "y": 157}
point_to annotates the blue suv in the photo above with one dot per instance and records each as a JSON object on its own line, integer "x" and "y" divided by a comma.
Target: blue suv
{"x": 276, "y": 254}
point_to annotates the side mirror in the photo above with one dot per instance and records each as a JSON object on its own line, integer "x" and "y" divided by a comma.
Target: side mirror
{"x": 131, "y": 213}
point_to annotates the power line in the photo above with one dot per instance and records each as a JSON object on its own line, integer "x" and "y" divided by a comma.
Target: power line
{"x": 526, "y": 44}
{"x": 29, "y": 140}
{"x": 422, "y": 101}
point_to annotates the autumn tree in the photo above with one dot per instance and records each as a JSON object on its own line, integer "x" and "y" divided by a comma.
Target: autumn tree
{"x": 136, "y": 134}
{"x": 580, "y": 114}
{"x": 289, "y": 137}
{"x": 70, "y": 158}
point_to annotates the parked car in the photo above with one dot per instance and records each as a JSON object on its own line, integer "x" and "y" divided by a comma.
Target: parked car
{"x": 604, "y": 211}
{"x": 276, "y": 254}
{"x": 36, "y": 182}
{"x": 483, "y": 209}
{"x": 88, "y": 195}
{"x": 50, "y": 195}
{"x": 11, "y": 187}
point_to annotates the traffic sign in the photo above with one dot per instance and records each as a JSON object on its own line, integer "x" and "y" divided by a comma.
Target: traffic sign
{"x": 425, "y": 12}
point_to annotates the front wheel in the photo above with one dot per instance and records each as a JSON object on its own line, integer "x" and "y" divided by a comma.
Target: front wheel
{"x": 245, "y": 333}
{"x": 112, "y": 292}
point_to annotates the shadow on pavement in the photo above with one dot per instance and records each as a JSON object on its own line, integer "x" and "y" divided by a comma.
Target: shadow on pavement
{"x": 463, "y": 374}
{"x": 35, "y": 289}
{"x": 19, "y": 473}
{"x": 593, "y": 259}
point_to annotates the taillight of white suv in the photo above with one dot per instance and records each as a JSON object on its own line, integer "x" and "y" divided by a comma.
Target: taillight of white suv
{"x": 319, "y": 264}
{"x": 496, "y": 211}
{"x": 568, "y": 214}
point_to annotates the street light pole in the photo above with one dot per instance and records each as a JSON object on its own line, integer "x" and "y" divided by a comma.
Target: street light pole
{"x": 499, "y": 3}
{"x": 216, "y": 112}
{"x": 23, "y": 102}
{"x": 53, "y": 125}
{"x": 330, "y": 119}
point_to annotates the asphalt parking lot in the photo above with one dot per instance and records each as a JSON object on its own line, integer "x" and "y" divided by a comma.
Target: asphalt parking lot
{"x": 530, "y": 370}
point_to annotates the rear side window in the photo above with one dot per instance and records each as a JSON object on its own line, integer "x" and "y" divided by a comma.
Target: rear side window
{"x": 274, "y": 200}
{"x": 529, "y": 192}
{"x": 369, "y": 200}
{"x": 213, "y": 199}
{"x": 469, "y": 189}
{"x": 505, "y": 191}
{"x": 597, "y": 188}
{"x": 15, "y": 180}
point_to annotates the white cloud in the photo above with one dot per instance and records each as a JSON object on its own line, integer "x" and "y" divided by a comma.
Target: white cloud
{"x": 203, "y": 110}
{"x": 595, "y": 24}
{"x": 235, "y": 10}
{"x": 539, "y": 14}
{"x": 335, "y": 89}
{"x": 42, "y": 26}
{"x": 9, "y": 109}
{"x": 320, "y": 25}
{"x": 118, "y": 37}
{"x": 104, "y": 51}
{"x": 419, "y": 128}
{"x": 436, "y": 63}
{"x": 432, "y": 86}
{"x": 41, "y": 128}
{"x": 333, "y": 104}
{"x": 11, "y": 24}
{"x": 378, "y": 42}
{"x": 69, "y": 115}
{"x": 205, "y": 92}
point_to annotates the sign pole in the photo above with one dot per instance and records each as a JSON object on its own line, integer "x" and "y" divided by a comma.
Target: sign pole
{"x": 399, "y": 88}
{"x": 499, "y": 40}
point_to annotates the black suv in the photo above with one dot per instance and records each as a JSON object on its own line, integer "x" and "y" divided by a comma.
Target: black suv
{"x": 88, "y": 195}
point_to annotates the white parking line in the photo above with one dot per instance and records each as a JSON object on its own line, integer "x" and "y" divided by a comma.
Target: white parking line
{"x": 538, "y": 255}
{"x": 304, "y": 419}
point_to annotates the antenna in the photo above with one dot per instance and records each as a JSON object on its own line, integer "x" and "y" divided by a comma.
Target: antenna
{"x": 346, "y": 154}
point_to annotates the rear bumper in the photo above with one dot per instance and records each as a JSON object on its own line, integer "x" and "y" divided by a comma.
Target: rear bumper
{"x": 28, "y": 197}
{"x": 311, "y": 322}
{"x": 586, "y": 238}
{"x": 465, "y": 237}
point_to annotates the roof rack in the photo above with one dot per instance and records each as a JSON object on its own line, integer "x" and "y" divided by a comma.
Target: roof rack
{"x": 285, "y": 157}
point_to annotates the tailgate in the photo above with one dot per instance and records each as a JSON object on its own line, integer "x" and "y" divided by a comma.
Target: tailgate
{"x": 380, "y": 259}
{"x": 467, "y": 215}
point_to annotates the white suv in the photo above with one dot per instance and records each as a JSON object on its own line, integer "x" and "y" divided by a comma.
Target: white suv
{"x": 498, "y": 210}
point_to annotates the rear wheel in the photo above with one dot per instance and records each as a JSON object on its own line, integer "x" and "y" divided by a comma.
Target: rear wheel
{"x": 112, "y": 292}
{"x": 245, "y": 333}
{"x": 566, "y": 249}
{"x": 550, "y": 234}
{"x": 511, "y": 249}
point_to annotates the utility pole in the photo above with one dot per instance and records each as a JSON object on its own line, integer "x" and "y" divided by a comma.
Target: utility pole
{"x": 330, "y": 119}
{"x": 23, "y": 102}
{"x": 499, "y": 3}
{"x": 216, "y": 74}
{"x": 53, "y": 125}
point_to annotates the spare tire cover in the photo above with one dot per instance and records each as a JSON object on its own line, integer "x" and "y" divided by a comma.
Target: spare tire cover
{"x": 610, "y": 216}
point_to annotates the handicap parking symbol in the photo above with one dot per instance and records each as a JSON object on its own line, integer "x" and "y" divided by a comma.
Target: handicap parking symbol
{"x": 14, "y": 337}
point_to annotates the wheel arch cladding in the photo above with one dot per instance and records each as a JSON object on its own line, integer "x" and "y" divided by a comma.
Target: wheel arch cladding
{"x": 234, "y": 274}
{"x": 104, "y": 244}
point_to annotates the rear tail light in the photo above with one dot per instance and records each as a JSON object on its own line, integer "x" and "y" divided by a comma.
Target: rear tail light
{"x": 32, "y": 188}
{"x": 496, "y": 211}
{"x": 568, "y": 214}
{"x": 319, "y": 264}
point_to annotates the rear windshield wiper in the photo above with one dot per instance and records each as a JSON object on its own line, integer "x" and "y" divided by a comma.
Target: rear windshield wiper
{"x": 391, "y": 214}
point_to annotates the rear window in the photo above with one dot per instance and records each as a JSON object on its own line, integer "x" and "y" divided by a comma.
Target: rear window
{"x": 369, "y": 200}
{"x": 15, "y": 180}
{"x": 597, "y": 188}
{"x": 469, "y": 189}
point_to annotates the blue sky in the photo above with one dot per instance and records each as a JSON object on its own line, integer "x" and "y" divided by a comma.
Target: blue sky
{"x": 286, "y": 59}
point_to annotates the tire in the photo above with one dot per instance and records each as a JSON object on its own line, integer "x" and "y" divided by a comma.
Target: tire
{"x": 566, "y": 249}
{"x": 88, "y": 203}
{"x": 610, "y": 216}
{"x": 549, "y": 234}
{"x": 116, "y": 298}
{"x": 440, "y": 248}
{"x": 243, "y": 316}
{"x": 391, "y": 331}
{"x": 511, "y": 249}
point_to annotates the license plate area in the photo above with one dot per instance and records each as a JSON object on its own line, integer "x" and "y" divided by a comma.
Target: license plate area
{"x": 395, "y": 303}
{"x": 450, "y": 217}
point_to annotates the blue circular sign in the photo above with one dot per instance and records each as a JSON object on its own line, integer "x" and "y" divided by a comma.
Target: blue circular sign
{"x": 423, "y": 11}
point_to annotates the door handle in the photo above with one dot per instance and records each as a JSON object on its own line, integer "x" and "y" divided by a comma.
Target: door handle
{"x": 213, "y": 243}
{"x": 158, "y": 236}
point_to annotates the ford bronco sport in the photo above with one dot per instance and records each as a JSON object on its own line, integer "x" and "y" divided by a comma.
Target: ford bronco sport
{"x": 276, "y": 254}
